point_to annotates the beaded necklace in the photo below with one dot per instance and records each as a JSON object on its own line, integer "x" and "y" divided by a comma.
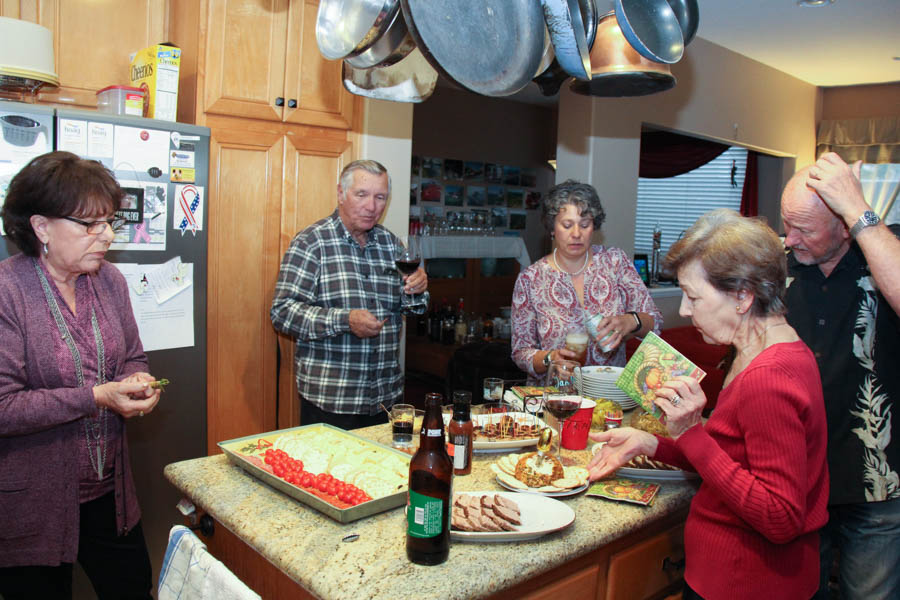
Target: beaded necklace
{"x": 587, "y": 259}
{"x": 93, "y": 428}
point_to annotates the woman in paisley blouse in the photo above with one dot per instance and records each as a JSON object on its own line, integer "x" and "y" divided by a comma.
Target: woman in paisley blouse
{"x": 559, "y": 293}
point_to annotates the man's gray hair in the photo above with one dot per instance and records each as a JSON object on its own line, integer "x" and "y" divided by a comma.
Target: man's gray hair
{"x": 370, "y": 166}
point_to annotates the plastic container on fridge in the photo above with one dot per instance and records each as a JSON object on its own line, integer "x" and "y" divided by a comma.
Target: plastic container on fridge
{"x": 121, "y": 100}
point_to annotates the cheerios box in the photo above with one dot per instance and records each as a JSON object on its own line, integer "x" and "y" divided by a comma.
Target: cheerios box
{"x": 155, "y": 70}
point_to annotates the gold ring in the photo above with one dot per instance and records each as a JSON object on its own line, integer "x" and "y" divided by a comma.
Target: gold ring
{"x": 141, "y": 414}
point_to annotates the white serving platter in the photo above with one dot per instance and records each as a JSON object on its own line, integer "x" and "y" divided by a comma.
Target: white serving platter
{"x": 539, "y": 516}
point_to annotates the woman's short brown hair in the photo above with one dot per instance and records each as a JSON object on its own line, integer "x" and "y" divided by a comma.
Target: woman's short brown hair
{"x": 738, "y": 254}
{"x": 581, "y": 195}
{"x": 57, "y": 184}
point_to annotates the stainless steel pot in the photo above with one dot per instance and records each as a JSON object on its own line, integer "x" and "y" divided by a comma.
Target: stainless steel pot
{"x": 346, "y": 28}
{"x": 393, "y": 45}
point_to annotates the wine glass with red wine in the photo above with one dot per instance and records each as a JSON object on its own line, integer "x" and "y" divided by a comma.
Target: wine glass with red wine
{"x": 561, "y": 396}
{"x": 408, "y": 257}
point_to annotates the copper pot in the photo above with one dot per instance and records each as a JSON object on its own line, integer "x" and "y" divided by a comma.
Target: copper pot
{"x": 617, "y": 69}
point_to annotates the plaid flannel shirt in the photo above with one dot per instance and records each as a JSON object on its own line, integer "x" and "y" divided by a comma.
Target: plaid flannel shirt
{"x": 324, "y": 275}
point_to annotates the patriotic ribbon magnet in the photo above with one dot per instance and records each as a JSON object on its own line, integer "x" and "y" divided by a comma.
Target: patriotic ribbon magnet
{"x": 189, "y": 199}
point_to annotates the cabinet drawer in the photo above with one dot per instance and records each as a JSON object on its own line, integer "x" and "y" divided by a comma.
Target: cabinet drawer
{"x": 648, "y": 568}
{"x": 581, "y": 585}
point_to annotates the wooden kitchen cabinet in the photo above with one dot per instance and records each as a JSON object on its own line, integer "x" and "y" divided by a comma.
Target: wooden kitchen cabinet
{"x": 268, "y": 185}
{"x": 261, "y": 61}
{"x": 92, "y": 41}
{"x": 649, "y": 568}
{"x": 274, "y": 170}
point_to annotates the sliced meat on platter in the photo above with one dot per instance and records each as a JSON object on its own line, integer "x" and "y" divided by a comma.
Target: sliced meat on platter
{"x": 484, "y": 513}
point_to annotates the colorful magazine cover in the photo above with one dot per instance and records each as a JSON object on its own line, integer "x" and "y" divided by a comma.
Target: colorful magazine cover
{"x": 625, "y": 490}
{"x": 654, "y": 362}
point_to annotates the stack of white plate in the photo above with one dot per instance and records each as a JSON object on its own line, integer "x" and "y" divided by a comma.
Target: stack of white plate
{"x": 600, "y": 382}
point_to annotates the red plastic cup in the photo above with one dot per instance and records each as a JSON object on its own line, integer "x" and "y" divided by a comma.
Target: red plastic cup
{"x": 575, "y": 432}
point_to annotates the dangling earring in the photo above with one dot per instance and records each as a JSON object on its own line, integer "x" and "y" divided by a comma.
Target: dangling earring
{"x": 44, "y": 246}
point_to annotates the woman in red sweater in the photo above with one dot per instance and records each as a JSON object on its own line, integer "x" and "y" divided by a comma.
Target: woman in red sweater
{"x": 752, "y": 528}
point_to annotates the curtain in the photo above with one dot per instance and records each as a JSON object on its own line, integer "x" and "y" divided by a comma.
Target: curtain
{"x": 869, "y": 140}
{"x": 880, "y": 185}
{"x": 750, "y": 192}
{"x": 665, "y": 154}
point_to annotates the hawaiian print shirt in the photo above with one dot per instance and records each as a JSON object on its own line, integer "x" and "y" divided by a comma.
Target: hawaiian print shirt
{"x": 855, "y": 336}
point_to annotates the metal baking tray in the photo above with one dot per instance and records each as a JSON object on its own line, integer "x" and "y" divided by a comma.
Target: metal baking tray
{"x": 241, "y": 450}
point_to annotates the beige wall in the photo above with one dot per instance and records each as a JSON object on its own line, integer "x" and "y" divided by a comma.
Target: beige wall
{"x": 719, "y": 95}
{"x": 861, "y": 101}
{"x": 386, "y": 136}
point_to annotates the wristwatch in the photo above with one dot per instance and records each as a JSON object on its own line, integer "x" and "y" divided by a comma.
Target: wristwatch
{"x": 868, "y": 219}
{"x": 547, "y": 359}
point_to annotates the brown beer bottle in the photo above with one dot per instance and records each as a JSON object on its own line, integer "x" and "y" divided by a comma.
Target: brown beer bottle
{"x": 430, "y": 491}
{"x": 460, "y": 431}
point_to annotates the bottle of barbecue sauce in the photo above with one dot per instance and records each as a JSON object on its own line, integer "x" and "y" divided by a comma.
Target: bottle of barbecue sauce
{"x": 460, "y": 433}
{"x": 430, "y": 491}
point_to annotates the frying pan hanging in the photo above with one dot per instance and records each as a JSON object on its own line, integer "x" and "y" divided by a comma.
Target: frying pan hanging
{"x": 389, "y": 48}
{"x": 411, "y": 79}
{"x": 491, "y": 47}
{"x": 651, "y": 28}
{"x": 549, "y": 80}
{"x": 567, "y": 32}
{"x": 349, "y": 27}
{"x": 688, "y": 14}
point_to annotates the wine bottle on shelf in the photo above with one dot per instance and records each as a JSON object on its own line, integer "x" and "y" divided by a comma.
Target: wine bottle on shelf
{"x": 430, "y": 491}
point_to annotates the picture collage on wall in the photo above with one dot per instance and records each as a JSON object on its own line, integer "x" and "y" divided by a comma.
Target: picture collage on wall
{"x": 448, "y": 188}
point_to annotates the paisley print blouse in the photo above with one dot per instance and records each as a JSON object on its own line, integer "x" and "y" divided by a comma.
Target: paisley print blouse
{"x": 545, "y": 306}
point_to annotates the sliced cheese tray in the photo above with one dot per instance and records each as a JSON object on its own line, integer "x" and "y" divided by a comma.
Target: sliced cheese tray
{"x": 377, "y": 474}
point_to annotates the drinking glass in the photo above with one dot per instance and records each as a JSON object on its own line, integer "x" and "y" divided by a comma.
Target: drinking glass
{"x": 407, "y": 258}
{"x": 566, "y": 400}
{"x": 577, "y": 342}
{"x": 492, "y": 389}
{"x": 402, "y": 425}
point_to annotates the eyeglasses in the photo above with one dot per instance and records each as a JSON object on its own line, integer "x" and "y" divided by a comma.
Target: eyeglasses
{"x": 98, "y": 227}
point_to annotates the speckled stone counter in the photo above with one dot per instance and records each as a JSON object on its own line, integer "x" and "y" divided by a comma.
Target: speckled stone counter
{"x": 307, "y": 546}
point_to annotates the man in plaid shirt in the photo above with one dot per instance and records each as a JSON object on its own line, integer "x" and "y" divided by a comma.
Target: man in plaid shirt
{"x": 340, "y": 295}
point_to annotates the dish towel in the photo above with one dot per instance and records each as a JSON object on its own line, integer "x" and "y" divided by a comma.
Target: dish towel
{"x": 189, "y": 572}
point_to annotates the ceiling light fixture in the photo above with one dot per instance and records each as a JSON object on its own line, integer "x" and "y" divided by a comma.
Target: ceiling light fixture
{"x": 814, "y": 3}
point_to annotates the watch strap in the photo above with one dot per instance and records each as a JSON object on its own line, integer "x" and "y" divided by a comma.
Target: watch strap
{"x": 637, "y": 319}
{"x": 867, "y": 219}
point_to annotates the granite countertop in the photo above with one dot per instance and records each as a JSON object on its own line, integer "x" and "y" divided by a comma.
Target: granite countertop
{"x": 308, "y": 547}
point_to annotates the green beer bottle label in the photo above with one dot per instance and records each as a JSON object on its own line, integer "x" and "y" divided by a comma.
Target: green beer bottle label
{"x": 424, "y": 516}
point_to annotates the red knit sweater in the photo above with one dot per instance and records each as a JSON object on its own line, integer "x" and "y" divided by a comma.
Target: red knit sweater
{"x": 752, "y": 531}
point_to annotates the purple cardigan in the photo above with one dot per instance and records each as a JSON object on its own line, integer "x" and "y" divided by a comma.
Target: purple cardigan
{"x": 40, "y": 411}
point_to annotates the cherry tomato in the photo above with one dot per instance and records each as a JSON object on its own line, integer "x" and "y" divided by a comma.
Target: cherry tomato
{"x": 307, "y": 479}
{"x": 331, "y": 488}
{"x": 322, "y": 485}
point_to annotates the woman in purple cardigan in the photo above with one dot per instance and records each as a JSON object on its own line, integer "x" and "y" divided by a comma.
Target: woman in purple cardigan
{"x": 72, "y": 369}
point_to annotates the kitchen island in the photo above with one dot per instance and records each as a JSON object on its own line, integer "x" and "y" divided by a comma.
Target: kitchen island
{"x": 283, "y": 548}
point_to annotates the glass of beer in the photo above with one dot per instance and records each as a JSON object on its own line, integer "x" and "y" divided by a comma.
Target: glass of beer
{"x": 402, "y": 418}
{"x": 577, "y": 342}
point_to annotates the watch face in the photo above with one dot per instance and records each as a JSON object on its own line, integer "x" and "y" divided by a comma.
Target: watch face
{"x": 870, "y": 218}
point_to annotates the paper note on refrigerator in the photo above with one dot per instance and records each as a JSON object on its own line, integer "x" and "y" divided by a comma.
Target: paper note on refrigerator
{"x": 161, "y": 326}
{"x": 168, "y": 279}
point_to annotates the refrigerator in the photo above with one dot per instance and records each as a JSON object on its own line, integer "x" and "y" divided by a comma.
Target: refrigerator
{"x": 164, "y": 169}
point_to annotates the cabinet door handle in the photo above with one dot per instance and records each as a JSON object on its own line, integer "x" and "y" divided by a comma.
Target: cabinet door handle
{"x": 292, "y": 103}
{"x": 279, "y": 101}
{"x": 672, "y": 565}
